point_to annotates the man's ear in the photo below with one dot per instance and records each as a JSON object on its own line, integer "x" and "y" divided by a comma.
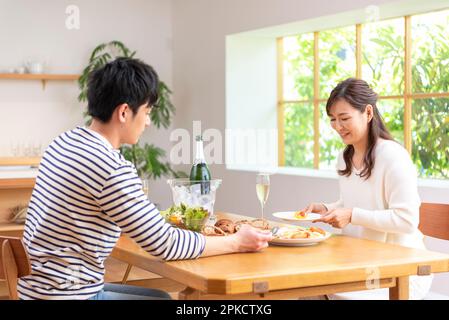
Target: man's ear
{"x": 122, "y": 112}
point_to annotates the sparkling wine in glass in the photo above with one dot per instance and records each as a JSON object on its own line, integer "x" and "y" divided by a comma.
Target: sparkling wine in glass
{"x": 262, "y": 189}
{"x": 145, "y": 186}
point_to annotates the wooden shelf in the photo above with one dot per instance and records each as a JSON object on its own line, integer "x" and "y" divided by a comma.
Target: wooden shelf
{"x": 44, "y": 77}
{"x": 39, "y": 76}
{"x": 19, "y": 183}
{"x": 20, "y": 161}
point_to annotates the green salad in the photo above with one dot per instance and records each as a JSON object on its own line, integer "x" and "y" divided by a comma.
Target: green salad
{"x": 191, "y": 218}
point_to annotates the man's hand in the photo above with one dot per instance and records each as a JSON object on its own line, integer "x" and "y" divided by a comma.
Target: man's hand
{"x": 338, "y": 218}
{"x": 249, "y": 239}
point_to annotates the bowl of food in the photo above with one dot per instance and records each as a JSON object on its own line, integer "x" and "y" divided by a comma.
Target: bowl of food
{"x": 186, "y": 217}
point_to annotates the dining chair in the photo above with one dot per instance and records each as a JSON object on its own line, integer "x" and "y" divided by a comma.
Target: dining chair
{"x": 434, "y": 222}
{"x": 14, "y": 263}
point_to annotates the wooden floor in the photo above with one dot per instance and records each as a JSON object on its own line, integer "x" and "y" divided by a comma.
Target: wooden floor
{"x": 115, "y": 270}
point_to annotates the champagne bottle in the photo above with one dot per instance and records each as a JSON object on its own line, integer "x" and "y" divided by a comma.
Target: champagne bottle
{"x": 199, "y": 170}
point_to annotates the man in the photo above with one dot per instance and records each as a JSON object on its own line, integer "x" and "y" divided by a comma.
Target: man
{"x": 87, "y": 194}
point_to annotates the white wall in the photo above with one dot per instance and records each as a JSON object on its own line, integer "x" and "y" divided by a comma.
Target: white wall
{"x": 251, "y": 100}
{"x": 199, "y": 31}
{"x": 37, "y": 30}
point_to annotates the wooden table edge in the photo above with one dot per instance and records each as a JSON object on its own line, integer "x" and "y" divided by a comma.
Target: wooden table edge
{"x": 193, "y": 294}
{"x": 224, "y": 286}
{"x": 160, "y": 267}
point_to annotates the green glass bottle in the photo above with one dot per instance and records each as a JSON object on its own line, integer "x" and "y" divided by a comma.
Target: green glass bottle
{"x": 200, "y": 171}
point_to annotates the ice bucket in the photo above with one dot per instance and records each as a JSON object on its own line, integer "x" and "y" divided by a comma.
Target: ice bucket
{"x": 195, "y": 194}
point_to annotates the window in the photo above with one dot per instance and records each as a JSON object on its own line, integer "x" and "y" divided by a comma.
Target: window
{"x": 405, "y": 60}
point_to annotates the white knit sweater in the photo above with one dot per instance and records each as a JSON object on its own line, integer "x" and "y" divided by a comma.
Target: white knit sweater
{"x": 386, "y": 206}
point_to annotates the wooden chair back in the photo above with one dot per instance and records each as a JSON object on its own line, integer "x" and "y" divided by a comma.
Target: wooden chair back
{"x": 434, "y": 220}
{"x": 14, "y": 263}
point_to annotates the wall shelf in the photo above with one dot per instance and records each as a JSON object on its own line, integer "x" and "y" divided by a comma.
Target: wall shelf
{"x": 43, "y": 77}
{"x": 20, "y": 161}
{"x": 17, "y": 183}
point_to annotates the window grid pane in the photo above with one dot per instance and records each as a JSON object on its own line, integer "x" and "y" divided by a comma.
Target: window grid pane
{"x": 430, "y": 132}
{"x": 383, "y": 68}
{"x": 298, "y": 67}
{"x": 383, "y": 56}
{"x": 392, "y": 112}
{"x": 430, "y": 52}
{"x": 337, "y": 57}
{"x": 298, "y": 130}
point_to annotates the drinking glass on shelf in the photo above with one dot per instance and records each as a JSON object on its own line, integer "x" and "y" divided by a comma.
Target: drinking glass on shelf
{"x": 37, "y": 149}
{"x": 262, "y": 189}
{"x": 27, "y": 149}
{"x": 15, "y": 149}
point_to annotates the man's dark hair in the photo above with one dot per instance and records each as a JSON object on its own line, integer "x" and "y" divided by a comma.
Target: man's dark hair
{"x": 123, "y": 80}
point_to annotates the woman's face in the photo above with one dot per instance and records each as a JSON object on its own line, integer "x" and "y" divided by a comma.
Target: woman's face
{"x": 350, "y": 123}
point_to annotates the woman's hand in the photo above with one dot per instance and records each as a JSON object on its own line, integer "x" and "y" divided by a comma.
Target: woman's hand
{"x": 338, "y": 218}
{"x": 249, "y": 239}
{"x": 315, "y": 208}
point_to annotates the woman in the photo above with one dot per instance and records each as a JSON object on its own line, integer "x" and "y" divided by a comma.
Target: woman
{"x": 378, "y": 185}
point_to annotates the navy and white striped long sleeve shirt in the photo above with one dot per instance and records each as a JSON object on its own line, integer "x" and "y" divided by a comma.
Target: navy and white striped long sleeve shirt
{"x": 86, "y": 194}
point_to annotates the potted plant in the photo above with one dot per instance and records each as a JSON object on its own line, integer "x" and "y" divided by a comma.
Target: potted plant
{"x": 148, "y": 159}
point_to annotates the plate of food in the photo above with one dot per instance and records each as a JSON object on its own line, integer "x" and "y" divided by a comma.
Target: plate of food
{"x": 298, "y": 236}
{"x": 224, "y": 227}
{"x": 296, "y": 215}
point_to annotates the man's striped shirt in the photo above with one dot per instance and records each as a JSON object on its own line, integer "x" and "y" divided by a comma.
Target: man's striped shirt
{"x": 86, "y": 194}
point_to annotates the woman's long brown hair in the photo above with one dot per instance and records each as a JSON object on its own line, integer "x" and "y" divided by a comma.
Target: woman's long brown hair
{"x": 359, "y": 94}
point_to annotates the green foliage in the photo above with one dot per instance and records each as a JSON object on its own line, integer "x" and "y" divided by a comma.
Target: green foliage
{"x": 430, "y": 124}
{"x": 392, "y": 111}
{"x": 383, "y": 56}
{"x": 148, "y": 159}
{"x": 337, "y": 58}
{"x": 431, "y": 137}
{"x": 164, "y": 108}
{"x": 300, "y": 65}
{"x": 383, "y": 68}
{"x": 299, "y": 135}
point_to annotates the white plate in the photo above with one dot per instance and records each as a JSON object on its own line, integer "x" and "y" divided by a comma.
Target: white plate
{"x": 299, "y": 242}
{"x": 290, "y": 216}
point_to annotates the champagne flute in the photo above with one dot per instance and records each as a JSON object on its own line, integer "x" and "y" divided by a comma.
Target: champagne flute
{"x": 262, "y": 189}
{"x": 145, "y": 186}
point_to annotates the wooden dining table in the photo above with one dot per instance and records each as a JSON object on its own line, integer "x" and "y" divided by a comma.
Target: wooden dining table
{"x": 339, "y": 264}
